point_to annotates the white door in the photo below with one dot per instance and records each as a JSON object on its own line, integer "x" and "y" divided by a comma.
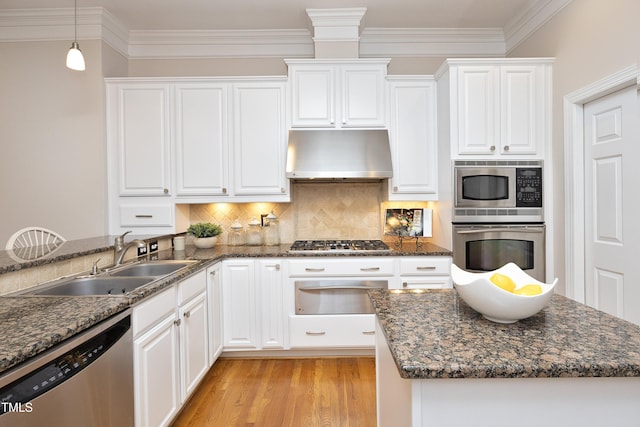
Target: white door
{"x": 612, "y": 229}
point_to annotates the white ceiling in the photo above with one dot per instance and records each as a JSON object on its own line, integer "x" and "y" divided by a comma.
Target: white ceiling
{"x": 510, "y": 20}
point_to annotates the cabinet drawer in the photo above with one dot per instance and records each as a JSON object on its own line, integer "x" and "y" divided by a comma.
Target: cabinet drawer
{"x": 428, "y": 282}
{"x": 332, "y": 331}
{"x": 425, "y": 266}
{"x": 191, "y": 287}
{"x": 142, "y": 215}
{"x": 153, "y": 310}
{"x": 341, "y": 267}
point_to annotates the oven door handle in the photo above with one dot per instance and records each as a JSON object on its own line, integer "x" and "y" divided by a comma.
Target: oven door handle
{"x": 501, "y": 230}
{"x": 339, "y": 287}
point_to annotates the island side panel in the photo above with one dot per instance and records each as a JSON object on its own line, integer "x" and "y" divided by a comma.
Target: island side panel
{"x": 393, "y": 393}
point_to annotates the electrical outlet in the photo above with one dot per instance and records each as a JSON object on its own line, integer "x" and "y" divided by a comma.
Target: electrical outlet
{"x": 142, "y": 251}
{"x": 153, "y": 246}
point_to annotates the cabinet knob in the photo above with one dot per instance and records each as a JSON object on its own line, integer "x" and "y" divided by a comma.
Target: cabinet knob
{"x": 177, "y": 322}
{"x": 165, "y": 191}
{"x": 506, "y": 148}
{"x": 282, "y": 190}
{"x": 395, "y": 189}
{"x": 405, "y": 285}
{"x": 277, "y": 267}
{"x": 493, "y": 148}
{"x": 187, "y": 314}
{"x": 224, "y": 190}
{"x": 213, "y": 273}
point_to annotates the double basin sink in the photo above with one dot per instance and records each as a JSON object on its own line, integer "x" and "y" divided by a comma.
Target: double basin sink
{"x": 116, "y": 281}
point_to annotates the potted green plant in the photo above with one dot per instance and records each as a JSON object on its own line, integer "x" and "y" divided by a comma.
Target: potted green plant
{"x": 205, "y": 233}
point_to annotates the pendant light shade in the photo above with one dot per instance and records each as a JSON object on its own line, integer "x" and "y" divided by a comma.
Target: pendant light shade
{"x": 75, "y": 60}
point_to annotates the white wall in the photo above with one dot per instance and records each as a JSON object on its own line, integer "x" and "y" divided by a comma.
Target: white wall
{"x": 591, "y": 39}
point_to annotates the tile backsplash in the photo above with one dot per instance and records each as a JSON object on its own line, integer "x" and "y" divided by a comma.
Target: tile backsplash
{"x": 317, "y": 211}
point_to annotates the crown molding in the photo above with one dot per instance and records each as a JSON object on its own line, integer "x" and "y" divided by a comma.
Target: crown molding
{"x": 530, "y": 21}
{"x": 97, "y": 23}
{"x": 432, "y": 42}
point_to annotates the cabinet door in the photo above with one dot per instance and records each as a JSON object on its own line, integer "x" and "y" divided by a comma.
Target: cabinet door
{"x": 239, "y": 302}
{"x": 141, "y": 130}
{"x": 201, "y": 139}
{"x": 313, "y": 90}
{"x": 272, "y": 314}
{"x": 362, "y": 96}
{"x": 194, "y": 348}
{"x": 521, "y": 109}
{"x": 214, "y": 297}
{"x": 477, "y": 109}
{"x": 259, "y": 139}
{"x": 412, "y": 131}
{"x": 157, "y": 375}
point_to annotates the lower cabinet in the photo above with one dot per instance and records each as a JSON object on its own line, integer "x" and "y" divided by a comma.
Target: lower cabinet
{"x": 214, "y": 306}
{"x": 331, "y": 331}
{"x": 170, "y": 350}
{"x": 253, "y": 301}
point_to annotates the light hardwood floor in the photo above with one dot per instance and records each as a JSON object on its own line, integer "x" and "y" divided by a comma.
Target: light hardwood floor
{"x": 327, "y": 392}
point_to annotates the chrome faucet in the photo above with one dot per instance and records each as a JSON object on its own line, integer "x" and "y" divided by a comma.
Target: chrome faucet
{"x": 120, "y": 248}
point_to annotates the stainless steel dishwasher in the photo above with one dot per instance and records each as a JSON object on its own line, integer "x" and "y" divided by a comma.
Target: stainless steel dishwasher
{"x": 85, "y": 381}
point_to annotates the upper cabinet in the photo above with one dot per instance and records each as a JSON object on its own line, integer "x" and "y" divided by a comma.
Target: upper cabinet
{"x": 141, "y": 138}
{"x": 413, "y": 138}
{"x": 496, "y": 107}
{"x": 337, "y": 93}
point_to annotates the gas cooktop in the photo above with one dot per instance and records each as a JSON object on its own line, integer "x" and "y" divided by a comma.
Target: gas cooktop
{"x": 339, "y": 246}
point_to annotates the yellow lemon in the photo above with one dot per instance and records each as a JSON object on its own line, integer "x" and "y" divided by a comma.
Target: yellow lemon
{"x": 529, "y": 290}
{"x": 502, "y": 281}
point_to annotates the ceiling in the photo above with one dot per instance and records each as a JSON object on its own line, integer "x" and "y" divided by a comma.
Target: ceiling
{"x": 412, "y": 18}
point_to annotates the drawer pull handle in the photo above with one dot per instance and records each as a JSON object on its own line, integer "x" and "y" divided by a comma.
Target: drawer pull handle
{"x": 144, "y": 216}
{"x": 425, "y": 268}
{"x": 314, "y": 270}
{"x": 368, "y": 332}
{"x": 315, "y": 333}
{"x": 370, "y": 269}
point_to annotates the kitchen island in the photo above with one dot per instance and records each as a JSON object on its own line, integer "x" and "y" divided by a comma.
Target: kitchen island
{"x": 440, "y": 363}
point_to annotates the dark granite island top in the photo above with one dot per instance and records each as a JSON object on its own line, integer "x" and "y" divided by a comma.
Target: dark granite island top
{"x": 583, "y": 361}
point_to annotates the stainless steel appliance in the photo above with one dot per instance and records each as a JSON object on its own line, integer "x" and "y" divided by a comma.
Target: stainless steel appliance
{"x": 335, "y": 296}
{"x": 325, "y": 246}
{"x": 85, "y": 381}
{"x": 338, "y": 155}
{"x": 486, "y": 247}
{"x": 498, "y": 191}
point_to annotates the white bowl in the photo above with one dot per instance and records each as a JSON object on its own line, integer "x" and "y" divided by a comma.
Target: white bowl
{"x": 495, "y": 303}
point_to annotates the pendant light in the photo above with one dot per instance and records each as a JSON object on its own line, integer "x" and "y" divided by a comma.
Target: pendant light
{"x": 75, "y": 60}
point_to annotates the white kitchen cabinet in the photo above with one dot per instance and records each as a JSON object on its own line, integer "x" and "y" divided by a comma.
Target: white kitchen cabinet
{"x": 201, "y": 139}
{"x": 413, "y": 138}
{"x": 170, "y": 350}
{"x": 425, "y": 272}
{"x": 253, "y": 301}
{"x": 497, "y": 107}
{"x": 156, "y": 363}
{"x": 271, "y": 291}
{"x": 338, "y": 93}
{"x": 139, "y": 135}
{"x": 214, "y": 301}
{"x": 240, "y": 304}
{"x": 260, "y": 140}
{"x": 193, "y": 332}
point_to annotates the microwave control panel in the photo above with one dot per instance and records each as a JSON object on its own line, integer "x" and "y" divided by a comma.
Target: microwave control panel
{"x": 529, "y": 187}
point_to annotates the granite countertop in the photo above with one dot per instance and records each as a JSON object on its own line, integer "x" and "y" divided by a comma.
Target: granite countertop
{"x": 434, "y": 334}
{"x": 32, "y": 324}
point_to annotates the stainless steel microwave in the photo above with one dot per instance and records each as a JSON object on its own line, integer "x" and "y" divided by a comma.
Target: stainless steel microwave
{"x": 498, "y": 191}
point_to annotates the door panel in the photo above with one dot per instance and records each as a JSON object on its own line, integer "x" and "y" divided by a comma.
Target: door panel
{"x": 612, "y": 233}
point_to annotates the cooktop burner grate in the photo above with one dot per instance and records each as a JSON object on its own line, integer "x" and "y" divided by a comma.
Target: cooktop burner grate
{"x": 338, "y": 246}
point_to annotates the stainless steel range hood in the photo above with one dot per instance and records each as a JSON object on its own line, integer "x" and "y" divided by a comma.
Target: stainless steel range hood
{"x": 339, "y": 155}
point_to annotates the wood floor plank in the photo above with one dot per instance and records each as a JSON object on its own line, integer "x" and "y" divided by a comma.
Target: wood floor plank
{"x": 324, "y": 392}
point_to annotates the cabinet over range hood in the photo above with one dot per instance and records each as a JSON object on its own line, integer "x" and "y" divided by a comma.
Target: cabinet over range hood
{"x": 339, "y": 155}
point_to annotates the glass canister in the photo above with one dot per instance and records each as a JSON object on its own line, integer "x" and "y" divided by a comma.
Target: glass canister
{"x": 254, "y": 232}
{"x": 236, "y": 235}
{"x": 272, "y": 230}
